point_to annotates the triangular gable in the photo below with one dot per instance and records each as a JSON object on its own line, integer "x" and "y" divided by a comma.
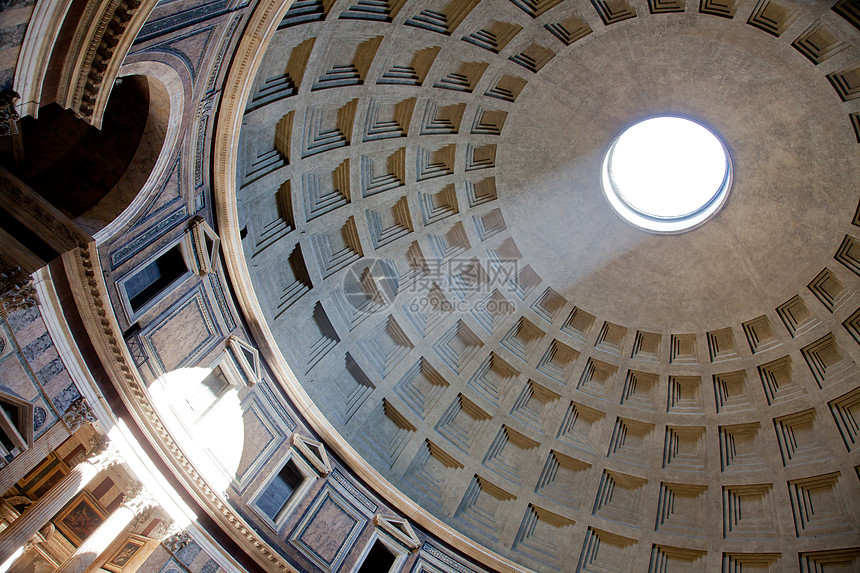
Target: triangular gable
{"x": 313, "y": 452}
{"x": 399, "y": 529}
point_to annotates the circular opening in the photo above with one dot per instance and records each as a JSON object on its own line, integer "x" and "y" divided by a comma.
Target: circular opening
{"x": 667, "y": 174}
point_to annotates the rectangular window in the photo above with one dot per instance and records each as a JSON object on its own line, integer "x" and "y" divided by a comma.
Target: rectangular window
{"x": 13, "y": 428}
{"x": 378, "y": 560}
{"x": 205, "y": 395}
{"x": 277, "y": 494}
{"x": 146, "y": 284}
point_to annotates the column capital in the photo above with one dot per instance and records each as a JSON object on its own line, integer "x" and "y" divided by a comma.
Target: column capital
{"x": 103, "y": 453}
{"x": 8, "y": 114}
{"x": 138, "y": 499}
{"x": 78, "y": 414}
{"x": 16, "y": 287}
{"x": 165, "y": 528}
{"x": 175, "y": 542}
{"x": 140, "y": 519}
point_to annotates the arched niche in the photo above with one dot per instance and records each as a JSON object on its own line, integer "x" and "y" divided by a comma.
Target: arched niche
{"x": 157, "y": 138}
{"x": 100, "y": 178}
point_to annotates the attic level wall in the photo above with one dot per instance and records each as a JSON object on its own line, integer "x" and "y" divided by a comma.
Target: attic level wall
{"x": 31, "y": 371}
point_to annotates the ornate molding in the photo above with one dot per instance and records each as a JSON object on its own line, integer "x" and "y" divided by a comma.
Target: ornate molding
{"x": 314, "y": 452}
{"x": 78, "y": 415}
{"x": 101, "y": 40}
{"x": 16, "y": 288}
{"x": 399, "y": 529}
{"x": 8, "y": 113}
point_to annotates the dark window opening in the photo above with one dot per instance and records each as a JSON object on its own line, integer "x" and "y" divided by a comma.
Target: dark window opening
{"x": 16, "y": 417}
{"x": 279, "y": 491}
{"x": 7, "y": 442}
{"x": 378, "y": 559}
{"x": 14, "y": 413}
{"x": 154, "y": 278}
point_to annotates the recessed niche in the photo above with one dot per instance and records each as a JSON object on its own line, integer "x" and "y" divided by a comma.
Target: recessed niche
{"x": 760, "y": 335}
{"x": 549, "y": 305}
{"x": 685, "y": 395}
{"x": 640, "y": 391}
{"x": 611, "y": 338}
{"x": 522, "y": 340}
{"x": 779, "y": 381}
{"x": 463, "y": 423}
{"x": 421, "y": 387}
{"x": 796, "y": 316}
{"x": 630, "y": 441}
{"x": 535, "y": 405}
{"x": 493, "y": 378}
{"x": 597, "y": 378}
{"x": 684, "y": 448}
{"x": 732, "y": 392}
{"x": 683, "y": 349}
{"x": 558, "y": 362}
{"x": 647, "y": 346}
{"x": 721, "y": 345}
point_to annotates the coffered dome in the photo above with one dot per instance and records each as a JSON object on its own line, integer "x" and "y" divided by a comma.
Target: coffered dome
{"x": 420, "y": 236}
{"x": 347, "y": 286}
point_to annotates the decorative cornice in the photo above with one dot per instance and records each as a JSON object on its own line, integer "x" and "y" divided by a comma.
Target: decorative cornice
{"x": 102, "y": 38}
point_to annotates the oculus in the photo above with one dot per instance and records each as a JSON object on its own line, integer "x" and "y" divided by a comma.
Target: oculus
{"x": 667, "y": 174}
